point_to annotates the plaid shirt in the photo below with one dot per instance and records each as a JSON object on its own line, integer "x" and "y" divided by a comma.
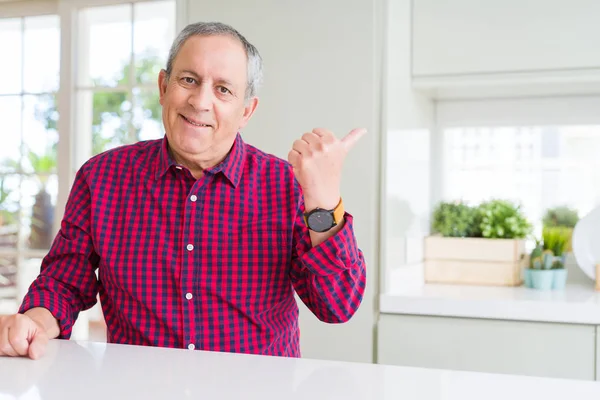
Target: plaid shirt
{"x": 207, "y": 264}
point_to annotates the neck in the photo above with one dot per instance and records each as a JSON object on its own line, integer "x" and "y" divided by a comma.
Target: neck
{"x": 196, "y": 166}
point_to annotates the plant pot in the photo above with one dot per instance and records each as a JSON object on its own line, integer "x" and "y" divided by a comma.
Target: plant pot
{"x": 542, "y": 279}
{"x": 560, "y": 278}
{"x": 527, "y": 278}
{"x": 474, "y": 261}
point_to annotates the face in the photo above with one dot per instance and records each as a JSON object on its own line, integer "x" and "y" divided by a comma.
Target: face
{"x": 203, "y": 101}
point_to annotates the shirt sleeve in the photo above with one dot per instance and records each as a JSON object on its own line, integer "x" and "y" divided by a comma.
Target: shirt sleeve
{"x": 331, "y": 277}
{"x": 67, "y": 282}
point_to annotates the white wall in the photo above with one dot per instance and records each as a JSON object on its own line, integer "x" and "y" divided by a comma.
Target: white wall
{"x": 408, "y": 123}
{"x": 321, "y": 70}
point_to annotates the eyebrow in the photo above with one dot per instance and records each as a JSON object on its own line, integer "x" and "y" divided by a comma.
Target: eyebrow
{"x": 220, "y": 81}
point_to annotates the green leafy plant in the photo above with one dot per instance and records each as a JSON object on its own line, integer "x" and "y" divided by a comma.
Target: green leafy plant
{"x": 6, "y": 217}
{"x": 42, "y": 213}
{"x": 557, "y": 239}
{"x": 561, "y": 216}
{"x": 454, "y": 219}
{"x": 501, "y": 219}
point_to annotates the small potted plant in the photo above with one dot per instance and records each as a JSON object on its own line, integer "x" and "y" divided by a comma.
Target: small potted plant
{"x": 547, "y": 261}
{"x": 483, "y": 245}
{"x": 42, "y": 215}
{"x": 561, "y": 216}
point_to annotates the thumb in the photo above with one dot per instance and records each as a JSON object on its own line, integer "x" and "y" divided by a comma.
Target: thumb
{"x": 37, "y": 346}
{"x": 352, "y": 138}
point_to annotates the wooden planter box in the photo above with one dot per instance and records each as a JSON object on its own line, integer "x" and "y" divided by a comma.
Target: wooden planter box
{"x": 474, "y": 261}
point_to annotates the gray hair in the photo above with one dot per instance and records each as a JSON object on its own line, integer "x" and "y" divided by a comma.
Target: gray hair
{"x": 254, "y": 68}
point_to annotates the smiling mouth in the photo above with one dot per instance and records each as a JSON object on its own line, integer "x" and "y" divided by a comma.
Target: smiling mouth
{"x": 195, "y": 123}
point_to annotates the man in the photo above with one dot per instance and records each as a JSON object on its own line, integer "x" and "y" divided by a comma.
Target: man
{"x": 199, "y": 239}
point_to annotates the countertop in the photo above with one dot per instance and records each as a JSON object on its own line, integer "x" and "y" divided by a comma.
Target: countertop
{"x": 576, "y": 304}
{"x": 87, "y": 370}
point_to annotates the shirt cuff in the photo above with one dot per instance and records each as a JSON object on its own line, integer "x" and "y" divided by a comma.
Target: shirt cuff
{"x": 54, "y": 303}
{"x": 336, "y": 254}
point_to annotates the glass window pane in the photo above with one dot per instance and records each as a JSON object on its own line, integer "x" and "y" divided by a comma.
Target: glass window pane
{"x": 153, "y": 32}
{"x": 8, "y": 285}
{"x": 104, "y": 45}
{"x": 9, "y": 210}
{"x": 40, "y": 136}
{"x": 538, "y": 167}
{"x": 41, "y": 54}
{"x": 109, "y": 115}
{"x": 147, "y": 115}
{"x": 10, "y": 150}
{"x": 38, "y": 201}
{"x": 11, "y": 47}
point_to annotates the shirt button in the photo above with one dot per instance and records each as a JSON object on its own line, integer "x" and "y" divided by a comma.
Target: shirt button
{"x": 178, "y": 167}
{"x": 193, "y": 198}
{"x": 190, "y": 247}
{"x": 189, "y": 296}
{"x": 191, "y": 346}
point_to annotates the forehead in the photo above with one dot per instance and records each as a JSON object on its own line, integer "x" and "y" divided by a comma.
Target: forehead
{"x": 213, "y": 56}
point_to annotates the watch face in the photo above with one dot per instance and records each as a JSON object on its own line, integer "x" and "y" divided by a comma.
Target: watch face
{"x": 320, "y": 221}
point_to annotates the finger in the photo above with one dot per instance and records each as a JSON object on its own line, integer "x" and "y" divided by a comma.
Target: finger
{"x": 294, "y": 158}
{"x": 311, "y": 138}
{"x": 301, "y": 146}
{"x": 322, "y": 132}
{"x": 352, "y": 138}
{"x": 38, "y": 345}
{"x": 17, "y": 337}
{"x": 6, "y": 348}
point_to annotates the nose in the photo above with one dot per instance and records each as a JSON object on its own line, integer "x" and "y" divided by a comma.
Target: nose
{"x": 202, "y": 98}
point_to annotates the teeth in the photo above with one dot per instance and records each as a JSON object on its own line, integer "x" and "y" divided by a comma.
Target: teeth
{"x": 195, "y": 124}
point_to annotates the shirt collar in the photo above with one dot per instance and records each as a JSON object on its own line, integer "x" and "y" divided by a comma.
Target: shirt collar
{"x": 232, "y": 166}
{"x": 164, "y": 160}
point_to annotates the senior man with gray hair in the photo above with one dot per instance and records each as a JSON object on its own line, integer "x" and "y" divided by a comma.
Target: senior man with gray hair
{"x": 199, "y": 240}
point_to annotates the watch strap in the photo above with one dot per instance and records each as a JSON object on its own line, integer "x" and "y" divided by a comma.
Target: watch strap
{"x": 337, "y": 213}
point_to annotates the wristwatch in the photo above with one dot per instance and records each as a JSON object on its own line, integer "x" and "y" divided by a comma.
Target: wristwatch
{"x": 320, "y": 220}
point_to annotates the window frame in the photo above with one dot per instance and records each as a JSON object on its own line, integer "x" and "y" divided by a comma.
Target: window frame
{"x": 69, "y": 153}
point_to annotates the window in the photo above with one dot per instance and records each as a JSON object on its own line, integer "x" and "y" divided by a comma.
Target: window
{"x": 117, "y": 52}
{"x": 121, "y": 49}
{"x": 30, "y": 47}
{"x": 539, "y": 167}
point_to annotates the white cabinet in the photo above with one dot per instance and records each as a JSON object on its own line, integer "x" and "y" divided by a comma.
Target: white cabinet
{"x": 467, "y": 37}
{"x": 522, "y": 348}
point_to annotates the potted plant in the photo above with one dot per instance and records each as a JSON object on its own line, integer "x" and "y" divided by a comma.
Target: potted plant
{"x": 561, "y": 216}
{"x": 8, "y": 218}
{"x": 477, "y": 245}
{"x": 42, "y": 215}
{"x": 547, "y": 260}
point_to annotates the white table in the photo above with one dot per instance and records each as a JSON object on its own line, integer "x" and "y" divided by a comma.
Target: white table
{"x": 88, "y": 371}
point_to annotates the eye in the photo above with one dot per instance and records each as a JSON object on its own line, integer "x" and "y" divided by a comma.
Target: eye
{"x": 223, "y": 90}
{"x": 189, "y": 80}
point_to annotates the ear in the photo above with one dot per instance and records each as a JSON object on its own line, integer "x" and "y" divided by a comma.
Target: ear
{"x": 248, "y": 111}
{"x": 162, "y": 85}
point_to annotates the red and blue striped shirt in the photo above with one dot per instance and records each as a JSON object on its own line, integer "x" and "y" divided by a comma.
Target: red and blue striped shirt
{"x": 210, "y": 264}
